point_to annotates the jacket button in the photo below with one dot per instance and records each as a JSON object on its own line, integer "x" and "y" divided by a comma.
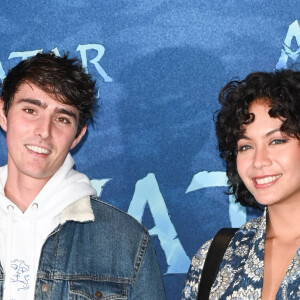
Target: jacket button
{"x": 45, "y": 287}
{"x": 98, "y": 294}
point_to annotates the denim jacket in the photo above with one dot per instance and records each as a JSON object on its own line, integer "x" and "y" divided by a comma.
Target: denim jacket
{"x": 101, "y": 254}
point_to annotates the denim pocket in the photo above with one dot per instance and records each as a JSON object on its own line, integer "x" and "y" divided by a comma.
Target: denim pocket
{"x": 97, "y": 290}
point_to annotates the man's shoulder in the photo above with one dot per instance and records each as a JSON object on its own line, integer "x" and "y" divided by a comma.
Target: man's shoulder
{"x": 116, "y": 218}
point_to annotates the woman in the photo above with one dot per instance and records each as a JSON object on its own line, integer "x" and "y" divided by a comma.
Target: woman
{"x": 258, "y": 130}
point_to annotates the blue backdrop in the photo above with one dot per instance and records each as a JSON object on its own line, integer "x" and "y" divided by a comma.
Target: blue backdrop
{"x": 159, "y": 66}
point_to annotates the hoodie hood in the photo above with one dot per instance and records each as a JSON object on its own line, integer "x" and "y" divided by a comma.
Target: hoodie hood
{"x": 22, "y": 235}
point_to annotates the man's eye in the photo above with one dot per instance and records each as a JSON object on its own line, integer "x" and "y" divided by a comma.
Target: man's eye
{"x": 278, "y": 141}
{"x": 63, "y": 120}
{"x": 29, "y": 110}
{"x": 244, "y": 148}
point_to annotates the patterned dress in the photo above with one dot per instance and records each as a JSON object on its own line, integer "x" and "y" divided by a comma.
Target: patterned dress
{"x": 241, "y": 271}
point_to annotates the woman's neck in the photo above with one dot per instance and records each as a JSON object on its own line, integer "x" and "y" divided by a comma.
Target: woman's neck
{"x": 283, "y": 221}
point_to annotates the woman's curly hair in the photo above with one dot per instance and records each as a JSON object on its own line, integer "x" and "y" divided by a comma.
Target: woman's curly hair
{"x": 281, "y": 89}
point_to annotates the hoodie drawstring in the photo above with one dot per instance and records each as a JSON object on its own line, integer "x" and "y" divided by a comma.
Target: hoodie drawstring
{"x": 10, "y": 210}
{"x": 34, "y": 208}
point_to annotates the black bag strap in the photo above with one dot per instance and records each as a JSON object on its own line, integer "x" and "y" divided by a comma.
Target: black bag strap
{"x": 213, "y": 260}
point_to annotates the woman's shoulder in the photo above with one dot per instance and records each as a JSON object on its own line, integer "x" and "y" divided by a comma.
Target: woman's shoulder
{"x": 241, "y": 241}
{"x": 199, "y": 258}
{"x": 254, "y": 224}
{"x": 249, "y": 228}
{"x": 194, "y": 274}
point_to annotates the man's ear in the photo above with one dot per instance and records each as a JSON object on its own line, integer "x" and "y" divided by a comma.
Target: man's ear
{"x": 79, "y": 137}
{"x": 3, "y": 119}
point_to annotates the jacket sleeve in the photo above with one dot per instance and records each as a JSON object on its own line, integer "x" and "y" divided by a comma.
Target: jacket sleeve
{"x": 148, "y": 284}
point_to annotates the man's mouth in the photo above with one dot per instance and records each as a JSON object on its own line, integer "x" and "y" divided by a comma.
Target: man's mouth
{"x": 267, "y": 179}
{"x": 37, "y": 149}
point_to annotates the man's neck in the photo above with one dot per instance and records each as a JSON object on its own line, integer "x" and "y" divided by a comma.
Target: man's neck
{"x": 23, "y": 190}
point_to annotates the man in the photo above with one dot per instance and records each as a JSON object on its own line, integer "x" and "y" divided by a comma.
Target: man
{"x": 57, "y": 240}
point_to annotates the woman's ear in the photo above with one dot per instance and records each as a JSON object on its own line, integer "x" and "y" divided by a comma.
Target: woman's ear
{"x": 3, "y": 119}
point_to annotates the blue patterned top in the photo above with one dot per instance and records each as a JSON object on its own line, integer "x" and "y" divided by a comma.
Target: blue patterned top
{"x": 241, "y": 271}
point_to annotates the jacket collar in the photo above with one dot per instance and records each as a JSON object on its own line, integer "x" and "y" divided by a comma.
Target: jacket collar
{"x": 79, "y": 211}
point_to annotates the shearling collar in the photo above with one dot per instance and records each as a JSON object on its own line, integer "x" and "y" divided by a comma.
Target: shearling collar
{"x": 80, "y": 211}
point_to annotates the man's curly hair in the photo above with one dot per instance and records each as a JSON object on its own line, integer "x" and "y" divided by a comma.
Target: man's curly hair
{"x": 281, "y": 91}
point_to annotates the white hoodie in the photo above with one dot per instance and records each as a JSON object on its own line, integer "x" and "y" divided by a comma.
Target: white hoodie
{"x": 22, "y": 235}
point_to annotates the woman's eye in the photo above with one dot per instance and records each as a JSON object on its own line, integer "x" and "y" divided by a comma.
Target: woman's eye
{"x": 244, "y": 148}
{"x": 278, "y": 141}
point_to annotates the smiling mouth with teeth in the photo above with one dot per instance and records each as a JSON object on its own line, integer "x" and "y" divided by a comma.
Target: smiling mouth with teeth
{"x": 267, "y": 179}
{"x": 37, "y": 149}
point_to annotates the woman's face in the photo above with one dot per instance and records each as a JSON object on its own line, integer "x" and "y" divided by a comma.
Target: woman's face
{"x": 268, "y": 161}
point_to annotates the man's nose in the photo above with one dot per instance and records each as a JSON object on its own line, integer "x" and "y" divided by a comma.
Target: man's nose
{"x": 43, "y": 127}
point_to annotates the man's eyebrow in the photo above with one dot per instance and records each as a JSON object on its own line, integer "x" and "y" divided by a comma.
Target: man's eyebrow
{"x": 67, "y": 112}
{"x": 39, "y": 103}
{"x": 33, "y": 101}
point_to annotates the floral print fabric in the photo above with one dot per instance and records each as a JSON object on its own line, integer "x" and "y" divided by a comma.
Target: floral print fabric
{"x": 241, "y": 271}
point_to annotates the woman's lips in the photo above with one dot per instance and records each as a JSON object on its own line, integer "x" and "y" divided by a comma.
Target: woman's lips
{"x": 265, "y": 181}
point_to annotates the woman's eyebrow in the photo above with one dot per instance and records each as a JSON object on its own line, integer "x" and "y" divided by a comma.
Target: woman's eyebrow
{"x": 245, "y": 137}
{"x": 272, "y": 131}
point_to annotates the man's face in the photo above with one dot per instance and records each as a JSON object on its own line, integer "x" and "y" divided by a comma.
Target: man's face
{"x": 40, "y": 131}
